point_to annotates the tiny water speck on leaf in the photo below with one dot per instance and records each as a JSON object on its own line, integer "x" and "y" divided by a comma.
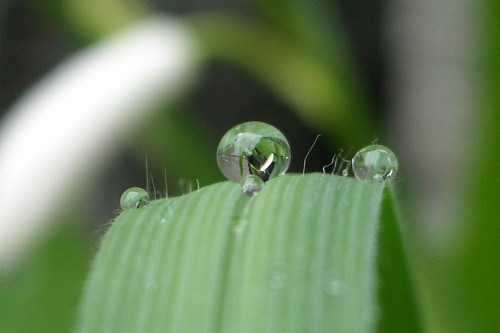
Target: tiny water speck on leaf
{"x": 334, "y": 287}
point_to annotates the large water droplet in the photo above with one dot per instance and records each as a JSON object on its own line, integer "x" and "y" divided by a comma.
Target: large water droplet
{"x": 134, "y": 197}
{"x": 253, "y": 148}
{"x": 251, "y": 185}
{"x": 375, "y": 162}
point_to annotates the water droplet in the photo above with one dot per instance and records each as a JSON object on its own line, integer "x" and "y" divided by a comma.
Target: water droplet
{"x": 375, "y": 162}
{"x": 134, "y": 197}
{"x": 253, "y": 148}
{"x": 278, "y": 280}
{"x": 345, "y": 172}
{"x": 251, "y": 185}
{"x": 334, "y": 287}
{"x": 151, "y": 285}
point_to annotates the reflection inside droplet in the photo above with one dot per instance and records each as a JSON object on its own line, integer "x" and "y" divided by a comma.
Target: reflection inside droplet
{"x": 134, "y": 197}
{"x": 375, "y": 163}
{"x": 251, "y": 185}
{"x": 253, "y": 148}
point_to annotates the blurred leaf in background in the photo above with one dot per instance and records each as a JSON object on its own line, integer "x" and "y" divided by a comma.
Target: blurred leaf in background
{"x": 42, "y": 293}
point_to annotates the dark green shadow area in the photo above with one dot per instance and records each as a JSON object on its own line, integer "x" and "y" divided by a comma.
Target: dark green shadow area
{"x": 397, "y": 299}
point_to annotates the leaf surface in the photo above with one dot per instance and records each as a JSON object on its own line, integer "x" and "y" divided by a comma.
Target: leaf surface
{"x": 299, "y": 257}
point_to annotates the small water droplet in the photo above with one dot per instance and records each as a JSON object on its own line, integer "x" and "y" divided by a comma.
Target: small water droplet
{"x": 251, "y": 185}
{"x": 240, "y": 226}
{"x": 151, "y": 285}
{"x": 278, "y": 280}
{"x": 163, "y": 221}
{"x": 238, "y": 229}
{"x": 334, "y": 287}
{"x": 253, "y": 148}
{"x": 345, "y": 173}
{"x": 134, "y": 197}
{"x": 375, "y": 162}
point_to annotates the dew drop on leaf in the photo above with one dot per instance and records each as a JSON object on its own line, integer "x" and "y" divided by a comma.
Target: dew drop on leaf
{"x": 251, "y": 185}
{"x": 278, "y": 280}
{"x": 376, "y": 163}
{"x": 134, "y": 197}
{"x": 334, "y": 287}
{"x": 253, "y": 148}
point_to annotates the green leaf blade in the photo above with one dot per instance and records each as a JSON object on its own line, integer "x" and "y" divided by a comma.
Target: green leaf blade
{"x": 300, "y": 257}
{"x": 397, "y": 297}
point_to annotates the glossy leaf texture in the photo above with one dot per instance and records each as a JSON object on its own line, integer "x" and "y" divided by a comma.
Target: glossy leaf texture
{"x": 299, "y": 257}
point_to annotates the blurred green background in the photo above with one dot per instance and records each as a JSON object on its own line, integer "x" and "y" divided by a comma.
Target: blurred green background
{"x": 418, "y": 76}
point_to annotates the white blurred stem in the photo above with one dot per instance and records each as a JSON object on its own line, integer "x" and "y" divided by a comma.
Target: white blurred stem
{"x": 433, "y": 88}
{"x": 55, "y": 136}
